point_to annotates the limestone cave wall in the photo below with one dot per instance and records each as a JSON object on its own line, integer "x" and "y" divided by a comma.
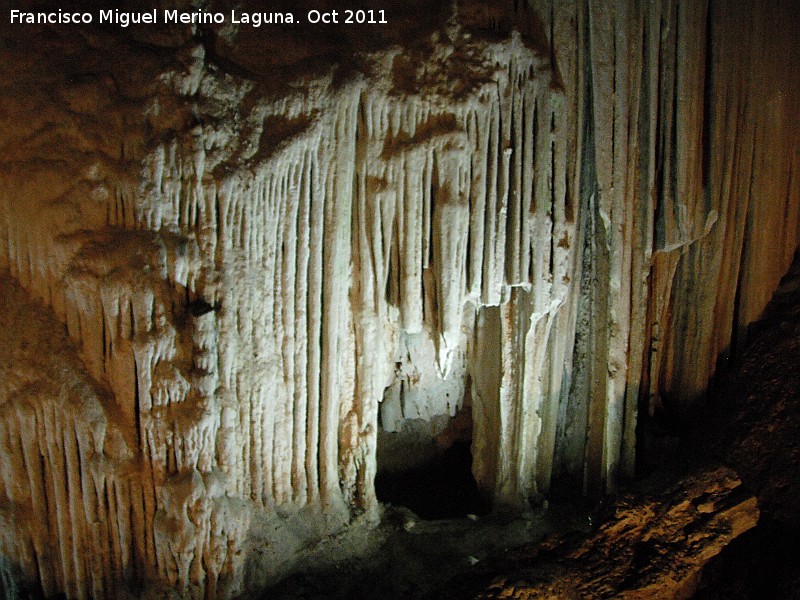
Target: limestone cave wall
{"x": 231, "y": 257}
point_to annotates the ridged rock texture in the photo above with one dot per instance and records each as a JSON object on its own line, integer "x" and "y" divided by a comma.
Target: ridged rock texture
{"x": 232, "y": 256}
{"x": 650, "y": 546}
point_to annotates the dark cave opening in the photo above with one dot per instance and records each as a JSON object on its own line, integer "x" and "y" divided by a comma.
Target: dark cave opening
{"x": 442, "y": 488}
{"x": 761, "y": 563}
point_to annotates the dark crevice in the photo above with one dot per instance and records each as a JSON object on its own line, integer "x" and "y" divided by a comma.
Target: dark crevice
{"x": 443, "y": 488}
{"x": 199, "y": 307}
{"x": 552, "y": 200}
{"x": 761, "y": 563}
{"x": 137, "y": 405}
{"x": 738, "y": 331}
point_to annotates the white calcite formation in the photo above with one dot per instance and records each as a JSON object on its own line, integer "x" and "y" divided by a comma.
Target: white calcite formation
{"x": 221, "y": 283}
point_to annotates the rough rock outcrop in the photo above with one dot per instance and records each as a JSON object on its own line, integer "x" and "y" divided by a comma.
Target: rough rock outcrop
{"x": 649, "y": 547}
{"x": 264, "y": 249}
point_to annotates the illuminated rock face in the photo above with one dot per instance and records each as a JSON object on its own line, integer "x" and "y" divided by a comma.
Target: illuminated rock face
{"x": 221, "y": 283}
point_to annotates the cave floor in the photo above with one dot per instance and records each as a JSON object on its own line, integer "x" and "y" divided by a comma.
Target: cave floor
{"x": 410, "y": 557}
{"x": 718, "y": 519}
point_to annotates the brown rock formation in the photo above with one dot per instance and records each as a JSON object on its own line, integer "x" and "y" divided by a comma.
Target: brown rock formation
{"x": 649, "y": 547}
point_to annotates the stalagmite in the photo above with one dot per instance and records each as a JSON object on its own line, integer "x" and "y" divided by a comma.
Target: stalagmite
{"x": 225, "y": 275}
